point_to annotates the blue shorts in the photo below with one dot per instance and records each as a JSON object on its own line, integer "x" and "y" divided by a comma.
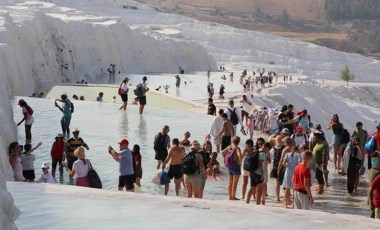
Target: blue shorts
{"x": 236, "y": 170}
{"x": 336, "y": 139}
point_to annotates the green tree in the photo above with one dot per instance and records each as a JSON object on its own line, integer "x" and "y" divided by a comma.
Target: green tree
{"x": 346, "y": 75}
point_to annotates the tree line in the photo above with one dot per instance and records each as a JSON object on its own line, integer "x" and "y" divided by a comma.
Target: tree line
{"x": 352, "y": 9}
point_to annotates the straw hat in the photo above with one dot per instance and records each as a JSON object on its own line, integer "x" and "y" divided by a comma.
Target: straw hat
{"x": 75, "y": 130}
{"x": 79, "y": 153}
{"x": 195, "y": 145}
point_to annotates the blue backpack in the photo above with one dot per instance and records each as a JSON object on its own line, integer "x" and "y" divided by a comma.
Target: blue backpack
{"x": 370, "y": 145}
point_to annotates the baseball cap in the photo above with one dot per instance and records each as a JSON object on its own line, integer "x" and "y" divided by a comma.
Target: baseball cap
{"x": 123, "y": 142}
{"x": 299, "y": 128}
{"x": 45, "y": 165}
{"x": 285, "y": 130}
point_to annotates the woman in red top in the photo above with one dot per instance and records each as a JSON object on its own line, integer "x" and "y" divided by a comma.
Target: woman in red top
{"x": 57, "y": 154}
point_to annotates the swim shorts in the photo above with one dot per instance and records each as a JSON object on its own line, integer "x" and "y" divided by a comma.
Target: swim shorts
{"x": 142, "y": 100}
{"x": 175, "y": 171}
{"x": 255, "y": 179}
{"x": 127, "y": 181}
{"x": 124, "y": 97}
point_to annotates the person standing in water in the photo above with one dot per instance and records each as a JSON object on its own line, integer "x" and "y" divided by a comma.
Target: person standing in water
{"x": 142, "y": 99}
{"x": 67, "y": 109}
{"x": 27, "y": 112}
{"x": 124, "y": 93}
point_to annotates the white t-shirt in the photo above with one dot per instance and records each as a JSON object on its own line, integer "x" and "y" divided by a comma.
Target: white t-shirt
{"x": 124, "y": 88}
{"x": 144, "y": 87}
{"x": 46, "y": 178}
{"x": 299, "y": 139}
{"x": 247, "y": 107}
{"x": 273, "y": 121}
{"x": 81, "y": 169}
{"x": 216, "y": 126}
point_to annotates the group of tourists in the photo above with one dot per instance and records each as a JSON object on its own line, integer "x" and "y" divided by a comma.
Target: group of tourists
{"x": 139, "y": 92}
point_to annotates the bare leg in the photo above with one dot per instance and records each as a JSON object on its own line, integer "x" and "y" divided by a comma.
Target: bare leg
{"x": 234, "y": 186}
{"x": 277, "y": 190}
{"x": 217, "y": 148}
{"x": 230, "y": 187}
{"x": 339, "y": 156}
{"x": 259, "y": 193}
{"x": 177, "y": 185}
{"x": 335, "y": 149}
{"x": 250, "y": 192}
{"x": 264, "y": 192}
{"x": 244, "y": 188}
{"x": 138, "y": 183}
{"x": 28, "y": 133}
{"x": 166, "y": 189}
{"x": 189, "y": 190}
{"x": 158, "y": 164}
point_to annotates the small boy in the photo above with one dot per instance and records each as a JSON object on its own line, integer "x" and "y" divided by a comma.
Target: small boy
{"x": 185, "y": 142}
{"x": 46, "y": 177}
{"x": 213, "y": 165}
{"x": 27, "y": 162}
{"x": 57, "y": 155}
{"x": 114, "y": 99}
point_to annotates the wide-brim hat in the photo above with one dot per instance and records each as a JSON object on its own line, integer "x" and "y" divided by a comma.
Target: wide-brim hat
{"x": 75, "y": 130}
{"x": 195, "y": 145}
{"x": 59, "y": 135}
{"x": 79, "y": 153}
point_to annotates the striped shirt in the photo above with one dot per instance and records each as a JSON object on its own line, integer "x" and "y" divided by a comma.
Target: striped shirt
{"x": 72, "y": 144}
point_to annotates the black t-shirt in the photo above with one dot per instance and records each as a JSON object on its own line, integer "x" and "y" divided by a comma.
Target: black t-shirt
{"x": 284, "y": 118}
{"x": 211, "y": 110}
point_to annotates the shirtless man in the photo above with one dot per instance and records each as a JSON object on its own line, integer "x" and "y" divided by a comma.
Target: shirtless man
{"x": 227, "y": 132}
{"x": 174, "y": 158}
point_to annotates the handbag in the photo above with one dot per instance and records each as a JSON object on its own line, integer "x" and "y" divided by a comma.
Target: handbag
{"x": 165, "y": 179}
{"x": 93, "y": 177}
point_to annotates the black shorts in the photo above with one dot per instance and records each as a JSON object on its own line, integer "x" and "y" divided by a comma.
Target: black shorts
{"x": 226, "y": 141}
{"x": 142, "y": 100}
{"x": 244, "y": 114}
{"x": 255, "y": 179}
{"x": 29, "y": 174}
{"x": 124, "y": 97}
{"x": 275, "y": 173}
{"x": 161, "y": 155}
{"x": 281, "y": 175}
{"x": 175, "y": 171}
{"x": 127, "y": 181}
{"x": 70, "y": 161}
{"x": 319, "y": 176}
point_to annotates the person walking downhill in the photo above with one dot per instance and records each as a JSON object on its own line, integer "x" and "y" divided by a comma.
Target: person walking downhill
{"x": 372, "y": 174}
{"x": 233, "y": 115}
{"x": 124, "y": 93}
{"x": 57, "y": 155}
{"x": 174, "y": 159}
{"x": 71, "y": 145}
{"x": 216, "y": 126}
{"x": 125, "y": 159}
{"x": 376, "y": 133}
{"x": 193, "y": 180}
{"x": 290, "y": 162}
{"x": 276, "y": 153}
{"x": 232, "y": 159}
{"x": 227, "y": 132}
{"x": 67, "y": 109}
{"x": 320, "y": 160}
{"x": 27, "y": 112}
{"x": 337, "y": 129}
{"x": 161, "y": 144}
{"x": 80, "y": 168}
{"x": 142, "y": 98}
{"x": 303, "y": 198}
{"x": 353, "y": 161}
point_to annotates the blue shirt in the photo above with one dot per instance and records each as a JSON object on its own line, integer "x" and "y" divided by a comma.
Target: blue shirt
{"x": 126, "y": 163}
{"x": 67, "y": 108}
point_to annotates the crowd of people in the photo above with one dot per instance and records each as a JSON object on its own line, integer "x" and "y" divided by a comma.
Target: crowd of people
{"x": 291, "y": 151}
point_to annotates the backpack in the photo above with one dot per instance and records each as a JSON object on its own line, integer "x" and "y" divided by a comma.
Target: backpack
{"x": 189, "y": 165}
{"x": 159, "y": 142}
{"x": 345, "y": 137}
{"x": 251, "y": 162}
{"x": 234, "y": 117}
{"x": 294, "y": 136}
{"x": 119, "y": 91}
{"x": 371, "y": 145}
{"x": 29, "y": 110}
{"x": 138, "y": 91}
{"x": 229, "y": 161}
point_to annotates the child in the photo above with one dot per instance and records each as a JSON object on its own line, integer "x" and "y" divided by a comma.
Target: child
{"x": 137, "y": 161}
{"x": 56, "y": 153}
{"x": 27, "y": 162}
{"x": 213, "y": 165}
{"x": 186, "y": 142}
{"x": 114, "y": 99}
{"x": 14, "y": 155}
{"x": 46, "y": 177}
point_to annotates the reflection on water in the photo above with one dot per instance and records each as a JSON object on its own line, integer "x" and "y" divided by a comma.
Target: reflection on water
{"x": 102, "y": 124}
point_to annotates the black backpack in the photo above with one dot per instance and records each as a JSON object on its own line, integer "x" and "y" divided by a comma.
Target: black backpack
{"x": 345, "y": 137}
{"x": 234, "y": 118}
{"x": 159, "y": 143}
{"x": 251, "y": 162}
{"x": 189, "y": 165}
{"x": 138, "y": 91}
